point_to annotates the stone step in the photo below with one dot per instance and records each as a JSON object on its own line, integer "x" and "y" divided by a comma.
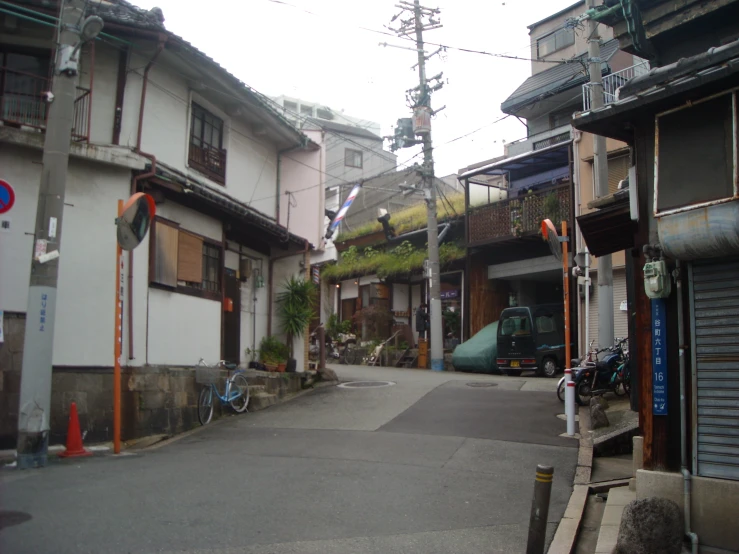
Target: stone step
{"x": 261, "y": 400}
{"x": 618, "y": 498}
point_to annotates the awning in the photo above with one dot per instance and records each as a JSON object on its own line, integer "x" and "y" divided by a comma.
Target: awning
{"x": 608, "y": 230}
{"x": 527, "y": 164}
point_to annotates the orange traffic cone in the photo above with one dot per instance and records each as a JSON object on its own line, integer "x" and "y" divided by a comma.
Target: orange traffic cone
{"x": 74, "y": 437}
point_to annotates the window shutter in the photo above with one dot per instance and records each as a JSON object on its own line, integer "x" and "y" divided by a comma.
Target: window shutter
{"x": 190, "y": 258}
{"x": 165, "y": 254}
{"x": 618, "y": 170}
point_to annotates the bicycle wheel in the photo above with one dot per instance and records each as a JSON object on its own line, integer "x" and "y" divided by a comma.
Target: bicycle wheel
{"x": 350, "y": 354}
{"x": 239, "y": 385}
{"x": 205, "y": 405}
{"x": 561, "y": 391}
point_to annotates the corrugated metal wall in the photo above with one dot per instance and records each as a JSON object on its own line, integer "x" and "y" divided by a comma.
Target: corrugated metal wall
{"x": 715, "y": 332}
{"x": 620, "y": 318}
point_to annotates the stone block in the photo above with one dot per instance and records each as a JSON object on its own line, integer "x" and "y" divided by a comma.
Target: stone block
{"x": 151, "y": 382}
{"x": 18, "y": 360}
{"x": 650, "y": 526}
{"x": 78, "y": 397}
{"x": 154, "y": 400}
{"x": 163, "y": 383}
{"x": 637, "y": 453}
{"x": 12, "y": 383}
{"x": 15, "y": 330}
{"x": 63, "y": 381}
{"x": 136, "y": 382}
{"x": 90, "y": 383}
{"x": 598, "y": 417}
{"x": 180, "y": 399}
{"x": 6, "y": 359}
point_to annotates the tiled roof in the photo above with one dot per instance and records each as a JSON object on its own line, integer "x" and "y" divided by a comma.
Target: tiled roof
{"x": 556, "y": 79}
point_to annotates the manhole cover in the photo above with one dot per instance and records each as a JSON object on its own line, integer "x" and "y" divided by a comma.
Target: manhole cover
{"x": 482, "y": 385}
{"x": 366, "y": 384}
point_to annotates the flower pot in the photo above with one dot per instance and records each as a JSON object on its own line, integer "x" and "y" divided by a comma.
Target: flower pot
{"x": 281, "y": 368}
{"x": 271, "y": 367}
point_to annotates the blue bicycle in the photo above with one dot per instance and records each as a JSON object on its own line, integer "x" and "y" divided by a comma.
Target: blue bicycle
{"x": 236, "y": 393}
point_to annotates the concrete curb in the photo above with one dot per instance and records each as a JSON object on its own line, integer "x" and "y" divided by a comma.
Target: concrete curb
{"x": 137, "y": 446}
{"x": 569, "y": 526}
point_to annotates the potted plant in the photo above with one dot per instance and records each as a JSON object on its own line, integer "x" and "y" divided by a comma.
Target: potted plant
{"x": 272, "y": 353}
{"x": 295, "y": 309}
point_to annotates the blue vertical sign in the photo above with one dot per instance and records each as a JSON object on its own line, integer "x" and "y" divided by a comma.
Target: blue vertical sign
{"x": 659, "y": 358}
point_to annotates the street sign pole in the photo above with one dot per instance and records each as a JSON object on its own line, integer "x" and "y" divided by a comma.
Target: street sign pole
{"x": 132, "y": 224}
{"x": 117, "y": 343}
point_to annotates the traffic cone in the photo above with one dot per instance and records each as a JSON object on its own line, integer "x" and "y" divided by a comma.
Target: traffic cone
{"x": 74, "y": 437}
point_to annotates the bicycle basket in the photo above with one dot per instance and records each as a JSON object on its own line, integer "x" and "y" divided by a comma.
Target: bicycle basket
{"x": 206, "y": 375}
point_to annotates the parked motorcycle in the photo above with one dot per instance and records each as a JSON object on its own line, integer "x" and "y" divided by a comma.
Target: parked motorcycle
{"x": 577, "y": 364}
{"x": 611, "y": 374}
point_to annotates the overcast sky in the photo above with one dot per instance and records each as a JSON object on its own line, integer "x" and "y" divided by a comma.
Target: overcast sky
{"x": 325, "y": 57}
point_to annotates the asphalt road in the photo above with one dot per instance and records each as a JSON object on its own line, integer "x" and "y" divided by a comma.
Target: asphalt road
{"x": 428, "y": 465}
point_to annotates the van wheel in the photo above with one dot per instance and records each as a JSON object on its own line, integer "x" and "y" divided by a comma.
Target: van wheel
{"x": 548, "y": 368}
{"x": 513, "y": 372}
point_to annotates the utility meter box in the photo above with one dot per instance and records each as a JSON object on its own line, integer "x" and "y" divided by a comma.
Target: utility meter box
{"x": 657, "y": 282}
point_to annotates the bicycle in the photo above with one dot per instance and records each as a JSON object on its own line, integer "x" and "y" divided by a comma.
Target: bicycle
{"x": 236, "y": 392}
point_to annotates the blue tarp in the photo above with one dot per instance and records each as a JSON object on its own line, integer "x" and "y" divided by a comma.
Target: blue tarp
{"x": 480, "y": 352}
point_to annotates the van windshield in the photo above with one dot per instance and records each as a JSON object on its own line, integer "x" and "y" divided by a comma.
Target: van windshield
{"x": 515, "y": 326}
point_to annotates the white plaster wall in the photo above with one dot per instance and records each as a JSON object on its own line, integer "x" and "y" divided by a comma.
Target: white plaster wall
{"x": 251, "y": 168}
{"x": 374, "y": 158}
{"x": 302, "y": 174}
{"x": 85, "y": 299}
{"x": 183, "y": 329}
{"x": 349, "y": 289}
{"x": 190, "y": 220}
{"x": 104, "y": 86}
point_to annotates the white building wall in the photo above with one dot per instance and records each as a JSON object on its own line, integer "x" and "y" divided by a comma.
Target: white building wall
{"x": 85, "y": 299}
{"x": 349, "y": 289}
{"x": 190, "y": 220}
{"x": 183, "y": 329}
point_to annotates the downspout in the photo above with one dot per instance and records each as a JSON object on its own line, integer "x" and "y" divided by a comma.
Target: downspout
{"x": 134, "y": 187}
{"x": 687, "y": 482}
{"x": 583, "y": 345}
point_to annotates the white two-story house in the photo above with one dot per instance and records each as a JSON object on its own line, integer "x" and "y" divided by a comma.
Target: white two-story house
{"x": 153, "y": 114}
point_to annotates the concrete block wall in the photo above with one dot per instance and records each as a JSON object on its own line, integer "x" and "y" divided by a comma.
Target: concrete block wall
{"x": 11, "y": 361}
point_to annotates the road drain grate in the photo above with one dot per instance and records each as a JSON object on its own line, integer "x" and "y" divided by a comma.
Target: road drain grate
{"x": 366, "y": 384}
{"x": 482, "y": 385}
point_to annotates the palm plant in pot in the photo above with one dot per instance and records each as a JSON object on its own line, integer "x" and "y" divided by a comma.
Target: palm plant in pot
{"x": 295, "y": 304}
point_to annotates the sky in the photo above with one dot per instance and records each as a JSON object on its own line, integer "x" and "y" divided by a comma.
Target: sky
{"x": 318, "y": 51}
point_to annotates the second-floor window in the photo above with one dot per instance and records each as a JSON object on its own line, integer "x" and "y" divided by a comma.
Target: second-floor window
{"x": 353, "y": 158}
{"x": 206, "y": 144}
{"x": 554, "y": 41}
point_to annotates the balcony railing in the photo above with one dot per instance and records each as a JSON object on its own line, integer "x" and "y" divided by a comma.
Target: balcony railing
{"x": 611, "y": 84}
{"x": 23, "y": 103}
{"x": 517, "y": 217}
{"x": 210, "y": 161}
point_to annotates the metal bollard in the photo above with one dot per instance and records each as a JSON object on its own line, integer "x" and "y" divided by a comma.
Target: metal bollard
{"x": 322, "y": 347}
{"x": 540, "y": 510}
{"x": 570, "y": 402}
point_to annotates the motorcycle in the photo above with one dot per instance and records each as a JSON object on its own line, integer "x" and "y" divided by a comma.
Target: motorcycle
{"x": 611, "y": 374}
{"x": 577, "y": 364}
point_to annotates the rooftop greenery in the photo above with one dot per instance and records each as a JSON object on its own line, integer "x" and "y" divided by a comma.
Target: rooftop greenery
{"x": 410, "y": 218}
{"x": 404, "y": 259}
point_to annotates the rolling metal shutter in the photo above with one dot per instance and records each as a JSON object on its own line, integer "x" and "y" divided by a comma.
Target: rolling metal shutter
{"x": 620, "y": 318}
{"x": 714, "y": 302}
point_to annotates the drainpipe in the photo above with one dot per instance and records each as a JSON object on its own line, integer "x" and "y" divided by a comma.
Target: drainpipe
{"x": 134, "y": 187}
{"x": 577, "y": 137}
{"x": 687, "y": 477}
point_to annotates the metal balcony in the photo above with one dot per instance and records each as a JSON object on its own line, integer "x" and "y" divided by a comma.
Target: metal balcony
{"x": 611, "y": 84}
{"x": 23, "y": 103}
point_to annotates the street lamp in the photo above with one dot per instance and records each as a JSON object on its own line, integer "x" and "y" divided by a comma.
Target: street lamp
{"x": 69, "y": 59}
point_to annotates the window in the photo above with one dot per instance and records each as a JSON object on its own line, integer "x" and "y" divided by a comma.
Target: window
{"x": 206, "y": 144}
{"x": 23, "y": 78}
{"x": 185, "y": 262}
{"x": 515, "y": 326}
{"x": 696, "y": 149}
{"x": 554, "y": 41}
{"x": 618, "y": 170}
{"x": 353, "y": 158}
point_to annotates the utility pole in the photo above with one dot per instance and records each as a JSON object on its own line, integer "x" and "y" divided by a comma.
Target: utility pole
{"x": 35, "y": 394}
{"x": 600, "y": 155}
{"x": 422, "y": 124}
